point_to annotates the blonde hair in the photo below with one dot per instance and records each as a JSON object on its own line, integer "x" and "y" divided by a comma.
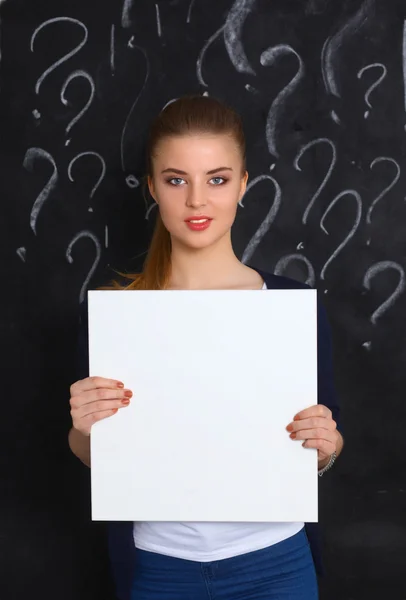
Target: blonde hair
{"x": 185, "y": 116}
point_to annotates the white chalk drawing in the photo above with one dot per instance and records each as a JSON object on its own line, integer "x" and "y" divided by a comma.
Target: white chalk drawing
{"x": 404, "y": 63}
{"x": 268, "y": 58}
{"x": 132, "y": 181}
{"x": 232, "y": 33}
{"x": 125, "y": 15}
{"x": 149, "y": 210}
{"x": 168, "y": 103}
{"x": 189, "y": 12}
{"x": 103, "y": 168}
{"x": 285, "y": 261}
{"x": 71, "y": 77}
{"x": 381, "y": 159}
{"x": 113, "y": 49}
{"x": 158, "y": 21}
{"x": 357, "y": 220}
{"x": 81, "y": 235}
{"x": 31, "y": 156}
{"x": 323, "y": 184}
{"x": 199, "y": 62}
{"x": 122, "y": 145}
{"x": 374, "y": 270}
{"x": 269, "y": 219}
{"x": 374, "y": 85}
{"x": 331, "y": 48}
{"x": 67, "y": 56}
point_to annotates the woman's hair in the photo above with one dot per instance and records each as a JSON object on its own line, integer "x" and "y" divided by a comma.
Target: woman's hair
{"x": 187, "y": 115}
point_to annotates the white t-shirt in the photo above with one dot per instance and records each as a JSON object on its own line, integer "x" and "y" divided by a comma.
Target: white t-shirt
{"x": 202, "y": 541}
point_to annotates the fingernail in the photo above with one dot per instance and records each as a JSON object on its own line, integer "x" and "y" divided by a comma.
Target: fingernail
{"x": 289, "y": 427}
{"x": 124, "y": 401}
{"x": 292, "y": 436}
{"x": 120, "y": 385}
{"x": 128, "y": 393}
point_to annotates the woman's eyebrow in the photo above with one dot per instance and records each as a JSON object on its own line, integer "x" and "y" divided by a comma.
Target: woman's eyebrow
{"x": 179, "y": 172}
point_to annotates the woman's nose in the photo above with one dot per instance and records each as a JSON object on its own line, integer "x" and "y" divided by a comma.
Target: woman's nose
{"x": 195, "y": 197}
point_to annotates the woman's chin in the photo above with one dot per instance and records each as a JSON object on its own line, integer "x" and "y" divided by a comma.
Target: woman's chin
{"x": 196, "y": 241}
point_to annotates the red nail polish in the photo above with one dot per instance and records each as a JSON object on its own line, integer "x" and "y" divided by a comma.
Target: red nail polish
{"x": 292, "y": 435}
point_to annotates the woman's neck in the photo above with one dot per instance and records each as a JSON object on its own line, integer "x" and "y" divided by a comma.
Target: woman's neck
{"x": 214, "y": 267}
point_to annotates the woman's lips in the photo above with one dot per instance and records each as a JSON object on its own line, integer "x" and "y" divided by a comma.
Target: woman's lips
{"x": 198, "y": 224}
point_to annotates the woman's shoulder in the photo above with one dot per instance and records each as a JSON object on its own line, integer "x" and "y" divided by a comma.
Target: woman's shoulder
{"x": 280, "y": 282}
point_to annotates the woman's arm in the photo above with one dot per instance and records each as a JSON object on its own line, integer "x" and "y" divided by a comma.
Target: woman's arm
{"x": 80, "y": 445}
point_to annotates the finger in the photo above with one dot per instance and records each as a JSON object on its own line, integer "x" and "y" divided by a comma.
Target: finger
{"x": 99, "y": 395}
{"x": 91, "y": 383}
{"x": 322, "y": 445}
{"x": 87, "y": 422}
{"x": 313, "y": 434}
{"x": 317, "y": 410}
{"x": 100, "y": 406}
{"x": 312, "y": 423}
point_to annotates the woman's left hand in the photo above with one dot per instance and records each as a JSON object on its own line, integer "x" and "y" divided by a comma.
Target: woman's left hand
{"x": 316, "y": 426}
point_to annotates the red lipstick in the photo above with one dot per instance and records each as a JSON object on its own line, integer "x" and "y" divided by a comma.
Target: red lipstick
{"x": 199, "y": 223}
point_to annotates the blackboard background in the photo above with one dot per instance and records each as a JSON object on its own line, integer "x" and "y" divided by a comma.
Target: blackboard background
{"x": 137, "y": 57}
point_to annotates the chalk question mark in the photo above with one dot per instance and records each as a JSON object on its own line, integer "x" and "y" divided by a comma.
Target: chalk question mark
{"x": 103, "y": 170}
{"x": 131, "y": 180}
{"x": 91, "y": 236}
{"x": 267, "y": 222}
{"x": 285, "y": 261}
{"x": 331, "y": 50}
{"x": 386, "y": 190}
{"x": 64, "y": 58}
{"x": 328, "y": 175}
{"x": 357, "y": 220}
{"x": 374, "y": 85}
{"x": 67, "y": 56}
{"x": 30, "y": 157}
{"x": 268, "y": 58}
{"x": 72, "y": 76}
{"x": 377, "y": 268}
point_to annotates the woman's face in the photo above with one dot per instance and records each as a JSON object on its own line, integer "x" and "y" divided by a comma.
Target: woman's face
{"x": 197, "y": 182}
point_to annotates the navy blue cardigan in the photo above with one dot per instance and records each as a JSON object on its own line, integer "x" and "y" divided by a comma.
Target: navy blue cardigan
{"x": 120, "y": 536}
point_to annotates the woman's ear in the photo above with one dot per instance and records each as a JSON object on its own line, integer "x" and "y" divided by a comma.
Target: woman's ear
{"x": 243, "y": 187}
{"x": 151, "y": 187}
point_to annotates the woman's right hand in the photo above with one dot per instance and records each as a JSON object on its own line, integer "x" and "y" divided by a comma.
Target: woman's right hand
{"x": 96, "y": 398}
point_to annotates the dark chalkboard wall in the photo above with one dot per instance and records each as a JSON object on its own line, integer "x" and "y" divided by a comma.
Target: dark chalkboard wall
{"x": 321, "y": 88}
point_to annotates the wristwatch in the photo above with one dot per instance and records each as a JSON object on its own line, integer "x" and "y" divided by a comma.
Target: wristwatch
{"x": 329, "y": 464}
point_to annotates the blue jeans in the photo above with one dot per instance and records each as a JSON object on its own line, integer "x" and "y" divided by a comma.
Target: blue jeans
{"x": 284, "y": 571}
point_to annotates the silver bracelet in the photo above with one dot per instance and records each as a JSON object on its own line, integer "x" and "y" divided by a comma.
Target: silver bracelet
{"x": 329, "y": 464}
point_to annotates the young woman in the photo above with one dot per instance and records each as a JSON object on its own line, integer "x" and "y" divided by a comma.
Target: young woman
{"x": 197, "y": 175}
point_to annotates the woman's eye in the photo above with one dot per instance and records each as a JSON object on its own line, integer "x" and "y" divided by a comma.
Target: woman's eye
{"x": 176, "y": 180}
{"x": 216, "y": 178}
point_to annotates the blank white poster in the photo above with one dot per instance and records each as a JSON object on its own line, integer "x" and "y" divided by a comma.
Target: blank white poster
{"x": 216, "y": 376}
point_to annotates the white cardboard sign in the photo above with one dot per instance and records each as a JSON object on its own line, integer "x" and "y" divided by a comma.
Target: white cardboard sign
{"x": 216, "y": 376}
